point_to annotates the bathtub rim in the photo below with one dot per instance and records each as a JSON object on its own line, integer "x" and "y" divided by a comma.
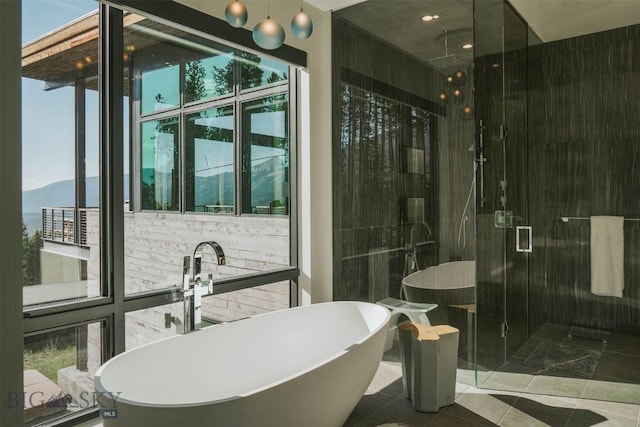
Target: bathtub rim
{"x": 420, "y": 272}
{"x": 107, "y": 394}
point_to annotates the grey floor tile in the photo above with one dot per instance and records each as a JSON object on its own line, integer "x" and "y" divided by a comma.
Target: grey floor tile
{"x": 603, "y": 407}
{"x": 612, "y": 391}
{"x": 624, "y": 344}
{"x": 399, "y": 411}
{"x": 368, "y": 405}
{"x": 388, "y": 380}
{"x": 445, "y": 419}
{"x": 462, "y": 413}
{"x": 586, "y": 417}
{"x": 551, "y": 332}
{"x": 525, "y": 349}
{"x": 517, "y": 366}
{"x": 622, "y": 366}
{"x": 487, "y": 404}
{"x": 516, "y": 418}
{"x": 533, "y": 410}
{"x": 508, "y": 381}
{"x": 590, "y": 343}
{"x": 557, "y": 386}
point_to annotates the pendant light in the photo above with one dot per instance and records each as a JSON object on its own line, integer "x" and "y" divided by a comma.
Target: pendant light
{"x": 268, "y": 33}
{"x": 236, "y": 14}
{"x": 301, "y": 24}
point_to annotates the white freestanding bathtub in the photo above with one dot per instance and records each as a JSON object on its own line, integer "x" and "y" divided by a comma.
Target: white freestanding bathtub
{"x": 302, "y": 366}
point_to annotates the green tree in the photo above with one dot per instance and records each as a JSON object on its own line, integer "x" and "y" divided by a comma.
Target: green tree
{"x": 251, "y": 73}
{"x": 194, "y": 87}
{"x": 31, "y": 256}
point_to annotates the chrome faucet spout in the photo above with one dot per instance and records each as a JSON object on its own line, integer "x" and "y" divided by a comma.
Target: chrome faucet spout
{"x": 197, "y": 256}
{"x": 414, "y": 228}
{"x": 194, "y": 288}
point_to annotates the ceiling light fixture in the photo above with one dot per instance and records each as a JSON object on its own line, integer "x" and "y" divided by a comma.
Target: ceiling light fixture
{"x": 236, "y": 14}
{"x": 268, "y": 33}
{"x": 427, "y": 18}
{"x": 301, "y": 24}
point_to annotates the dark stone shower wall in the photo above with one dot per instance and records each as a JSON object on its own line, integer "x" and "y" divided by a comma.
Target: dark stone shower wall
{"x": 370, "y": 233}
{"x": 368, "y": 181}
{"x": 584, "y": 160}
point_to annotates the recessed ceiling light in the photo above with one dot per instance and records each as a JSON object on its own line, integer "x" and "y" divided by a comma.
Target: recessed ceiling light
{"x": 427, "y": 18}
{"x": 467, "y": 46}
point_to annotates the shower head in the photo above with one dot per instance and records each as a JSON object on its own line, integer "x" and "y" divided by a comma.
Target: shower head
{"x": 448, "y": 60}
{"x": 445, "y": 62}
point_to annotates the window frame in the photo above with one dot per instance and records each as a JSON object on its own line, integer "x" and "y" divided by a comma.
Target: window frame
{"x": 111, "y": 307}
{"x": 237, "y": 98}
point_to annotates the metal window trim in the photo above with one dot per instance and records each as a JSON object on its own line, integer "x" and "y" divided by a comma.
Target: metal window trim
{"x": 293, "y": 82}
{"x": 11, "y": 343}
{"x": 111, "y": 142}
{"x": 149, "y": 299}
{"x": 62, "y": 319}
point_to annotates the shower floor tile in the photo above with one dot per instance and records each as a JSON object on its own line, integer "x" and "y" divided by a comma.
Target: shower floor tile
{"x": 551, "y": 332}
{"x": 624, "y": 344}
{"x": 619, "y": 366}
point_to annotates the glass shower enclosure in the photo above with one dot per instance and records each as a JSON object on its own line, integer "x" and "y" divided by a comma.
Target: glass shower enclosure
{"x": 497, "y": 156}
{"x": 556, "y": 155}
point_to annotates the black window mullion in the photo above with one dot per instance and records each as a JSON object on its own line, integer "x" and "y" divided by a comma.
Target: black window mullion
{"x": 111, "y": 169}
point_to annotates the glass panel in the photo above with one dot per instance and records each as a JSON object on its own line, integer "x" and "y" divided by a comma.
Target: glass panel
{"x": 151, "y": 324}
{"x": 161, "y": 88}
{"x": 160, "y": 164}
{"x": 492, "y": 233}
{"x": 265, "y": 152}
{"x": 184, "y": 162}
{"x": 237, "y": 305}
{"x": 58, "y": 372}
{"x": 208, "y": 77}
{"x": 259, "y": 71}
{"x": 210, "y": 160}
{"x": 60, "y": 145}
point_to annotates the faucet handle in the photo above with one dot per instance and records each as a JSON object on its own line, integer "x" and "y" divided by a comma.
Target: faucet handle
{"x": 185, "y": 272}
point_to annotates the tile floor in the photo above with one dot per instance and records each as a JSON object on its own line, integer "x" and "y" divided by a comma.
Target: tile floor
{"x": 384, "y": 404}
{"x": 515, "y": 395}
{"x": 616, "y": 376}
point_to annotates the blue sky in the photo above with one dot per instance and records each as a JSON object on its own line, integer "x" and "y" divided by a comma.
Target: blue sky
{"x": 48, "y": 116}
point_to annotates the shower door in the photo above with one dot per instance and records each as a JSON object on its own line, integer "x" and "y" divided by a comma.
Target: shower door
{"x": 504, "y": 235}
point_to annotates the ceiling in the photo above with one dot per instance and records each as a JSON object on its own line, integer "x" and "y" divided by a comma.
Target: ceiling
{"x": 399, "y": 22}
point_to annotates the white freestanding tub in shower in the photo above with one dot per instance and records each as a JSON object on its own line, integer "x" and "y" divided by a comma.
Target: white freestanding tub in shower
{"x": 302, "y": 366}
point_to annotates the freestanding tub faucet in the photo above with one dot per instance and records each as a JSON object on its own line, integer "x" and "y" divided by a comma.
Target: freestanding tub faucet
{"x": 194, "y": 288}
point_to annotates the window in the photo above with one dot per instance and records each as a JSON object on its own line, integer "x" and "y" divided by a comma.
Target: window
{"x": 170, "y": 132}
{"x": 265, "y": 155}
{"x": 160, "y": 164}
{"x": 190, "y": 160}
{"x": 259, "y": 71}
{"x": 208, "y": 77}
{"x": 210, "y": 159}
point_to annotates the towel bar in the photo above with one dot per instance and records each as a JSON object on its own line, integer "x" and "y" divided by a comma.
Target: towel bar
{"x": 573, "y": 218}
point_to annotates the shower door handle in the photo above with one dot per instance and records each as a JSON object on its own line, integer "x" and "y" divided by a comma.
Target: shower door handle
{"x": 527, "y": 230}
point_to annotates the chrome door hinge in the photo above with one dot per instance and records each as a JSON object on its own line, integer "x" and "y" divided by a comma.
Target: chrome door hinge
{"x": 505, "y": 329}
{"x": 503, "y": 133}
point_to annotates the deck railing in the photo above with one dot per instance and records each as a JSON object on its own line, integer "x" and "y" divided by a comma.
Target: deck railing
{"x": 66, "y": 225}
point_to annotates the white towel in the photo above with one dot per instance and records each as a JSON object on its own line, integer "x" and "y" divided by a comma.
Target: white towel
{"x": 607, "y": 255}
